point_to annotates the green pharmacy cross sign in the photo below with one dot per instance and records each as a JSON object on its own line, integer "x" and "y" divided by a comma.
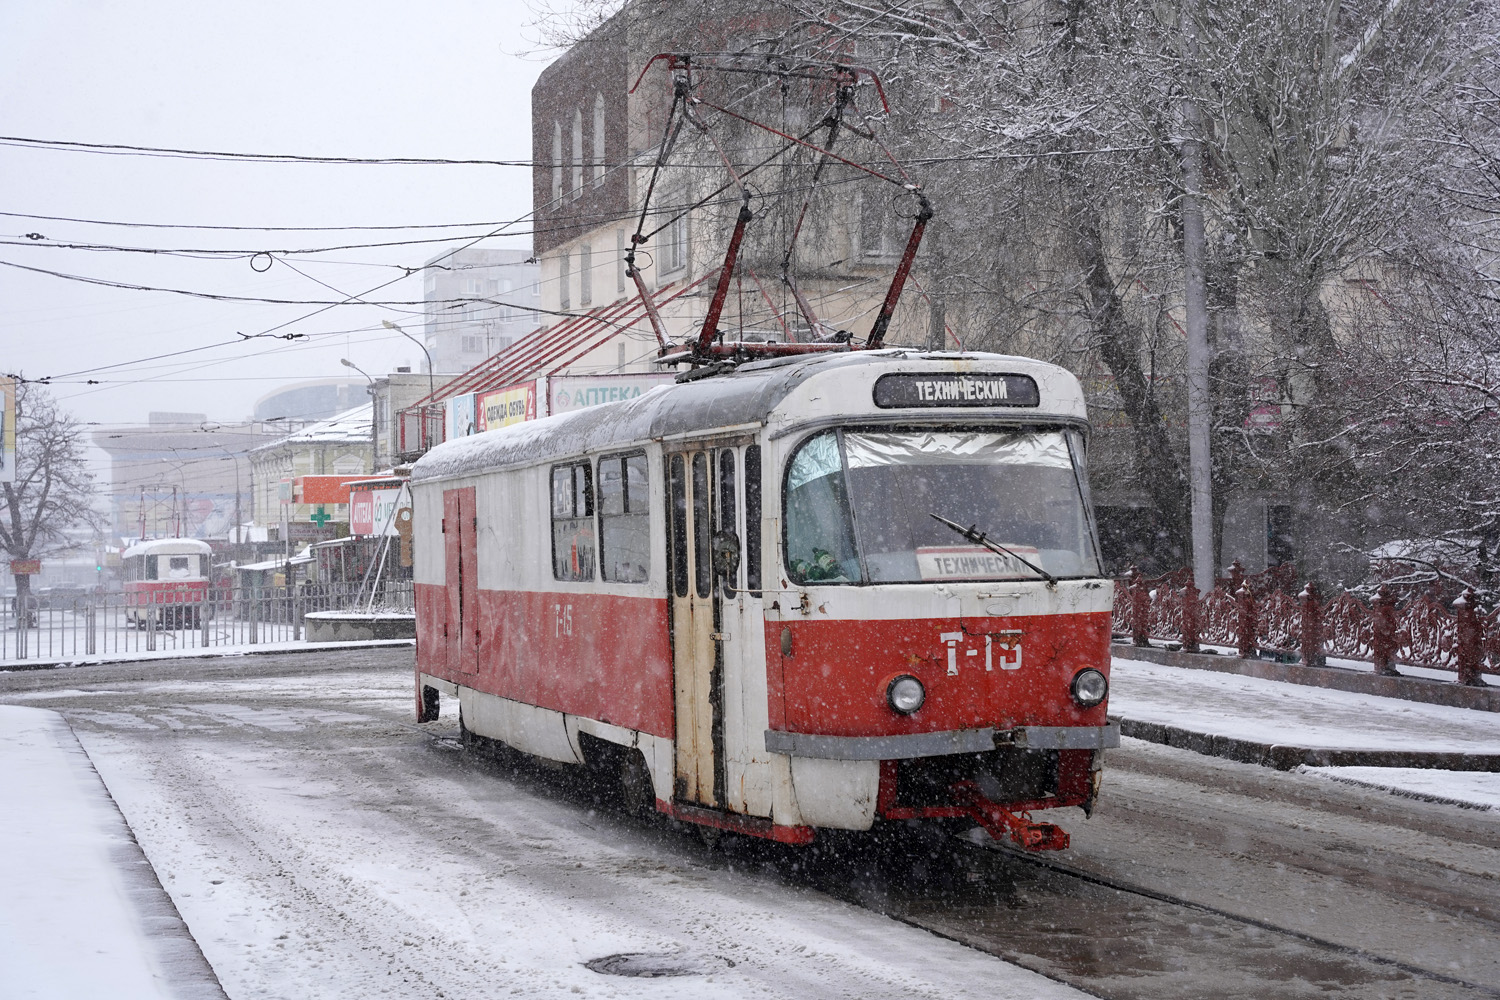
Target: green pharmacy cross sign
{"x": 320, "y": 517}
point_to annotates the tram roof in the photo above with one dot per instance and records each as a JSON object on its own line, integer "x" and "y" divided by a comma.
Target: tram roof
{"x": 167, "y": 546}
{"x": 745, "y": 396}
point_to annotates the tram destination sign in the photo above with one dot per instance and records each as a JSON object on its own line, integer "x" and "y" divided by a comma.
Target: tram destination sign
{"x": 900, "y": 389}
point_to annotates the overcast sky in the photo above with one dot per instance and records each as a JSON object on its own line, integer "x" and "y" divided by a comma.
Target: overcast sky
{"x": 365, "y": 78}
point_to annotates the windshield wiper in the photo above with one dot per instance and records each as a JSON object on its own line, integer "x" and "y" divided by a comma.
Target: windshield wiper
{"x": 973, "y": 534}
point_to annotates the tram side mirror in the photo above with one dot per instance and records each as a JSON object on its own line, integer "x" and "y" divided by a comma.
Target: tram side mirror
{"x": 726, "y": 554}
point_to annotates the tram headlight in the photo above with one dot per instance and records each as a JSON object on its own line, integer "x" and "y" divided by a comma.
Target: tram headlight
{"x": 1089, "y": 687}
{"x": 905, "y": 694}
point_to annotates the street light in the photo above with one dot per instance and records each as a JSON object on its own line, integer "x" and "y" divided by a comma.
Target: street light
{"x": 374, "y": 422}
{"x": 350, "y": 364}
{"x": 431, "y": 388}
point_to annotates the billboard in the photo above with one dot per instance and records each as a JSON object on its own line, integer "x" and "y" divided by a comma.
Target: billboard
{"x": 461, "y": 414}
{"x": 7, "y": 429}
{"x": 579, "y": 392}
{"x": 507, "y": 406}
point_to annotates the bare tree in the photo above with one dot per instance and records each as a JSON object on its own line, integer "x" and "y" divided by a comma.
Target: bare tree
{"x": 1352, "y": 187}
{"x": 1330, "y": 164}
{"x": 53, "y": 490}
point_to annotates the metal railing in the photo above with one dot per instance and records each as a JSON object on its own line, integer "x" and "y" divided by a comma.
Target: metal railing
{"x": 112, "y": 624}
{"x": 1265, "y": 614}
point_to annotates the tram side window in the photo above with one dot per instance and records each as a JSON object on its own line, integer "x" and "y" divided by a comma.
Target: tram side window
{"x": 703, "y": 570}
{"x": 151, "y": 567}
{"x": 752, "y": 518}
{"x": 624, "y": 519}
{"x": 677, "y": 550}
{"x": 727, "y": 519}
{"x": 572, "y": 522}
{"x": 180, "y": 567}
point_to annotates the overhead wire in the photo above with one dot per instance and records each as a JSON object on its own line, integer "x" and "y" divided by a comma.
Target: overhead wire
{"x": 323, "y": 305}
{"x": 243, "y": 337}
{"x": 351, "y": 299}
{"x": 347, "y": 299}
{"x": 123, "y": 149}
{"x": 126, "y": 149}
{"x": 564, "y": 223}
{"x": 246, "y": 229}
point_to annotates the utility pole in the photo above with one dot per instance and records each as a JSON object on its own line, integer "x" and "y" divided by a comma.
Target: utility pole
{"x": 937, "y": 315}
{"x": 1200, "y": 406}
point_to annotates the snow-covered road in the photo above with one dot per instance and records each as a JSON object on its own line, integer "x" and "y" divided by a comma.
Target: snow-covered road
{"x": 300, "y": 874}
{"x": 319, "y": 843}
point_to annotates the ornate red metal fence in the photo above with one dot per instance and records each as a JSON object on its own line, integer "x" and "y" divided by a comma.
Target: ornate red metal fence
{"x": 1257, "y": 614}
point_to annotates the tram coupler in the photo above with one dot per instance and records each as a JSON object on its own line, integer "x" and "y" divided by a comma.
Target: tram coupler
{"x": 1000, "y": 822}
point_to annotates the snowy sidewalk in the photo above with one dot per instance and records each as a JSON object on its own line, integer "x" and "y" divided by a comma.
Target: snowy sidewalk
{"x": 1233, "y": 712}
{"x": 82, "y": 915}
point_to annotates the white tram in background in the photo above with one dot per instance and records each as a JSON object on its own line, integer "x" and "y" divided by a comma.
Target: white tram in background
{"x": 816, "y": 592}
{"x": 167, "y": 579}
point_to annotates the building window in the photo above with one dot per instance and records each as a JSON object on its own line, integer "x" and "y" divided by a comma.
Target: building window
{"x": 564, "y": 278}
{"x": 572, "y": 522}
{"x": 875, "y": 224}
{"x": 624, "y": 519}
{"x": 585, "y": 275}
{"x": 619, "y": 260}
{"x": 675, "y": 237}
{"x": 471, "y": 345}
{"x": 557, "y": 162}
{"x": 577, "y": 153}
{"x": 599, "y": 166}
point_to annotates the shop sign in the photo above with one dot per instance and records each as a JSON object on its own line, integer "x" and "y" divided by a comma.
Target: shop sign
{"x": 579, "y": 392}
{"x": 324, "y": 489}
{"x": 306, "y": 531}
{"x": 507, "y": 406}
{"x": 373, "y": 512}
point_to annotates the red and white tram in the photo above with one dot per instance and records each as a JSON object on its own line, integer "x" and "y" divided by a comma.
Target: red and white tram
{"x": 816, "y": 592}
{"x": 167, "y": 579}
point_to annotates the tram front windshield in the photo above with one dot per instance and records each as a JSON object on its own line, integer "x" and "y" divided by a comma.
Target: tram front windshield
{"x": 859, "y": 506}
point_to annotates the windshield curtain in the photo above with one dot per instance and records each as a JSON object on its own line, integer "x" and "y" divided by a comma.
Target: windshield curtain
{"x": 858, "y": 506}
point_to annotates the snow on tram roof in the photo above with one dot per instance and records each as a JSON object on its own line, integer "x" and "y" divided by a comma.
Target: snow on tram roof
{"x": 168, "y": 546}
{"x": 745, "y": 396}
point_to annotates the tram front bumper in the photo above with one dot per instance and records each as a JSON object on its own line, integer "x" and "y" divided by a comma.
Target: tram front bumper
{"x": 911, "y": 745}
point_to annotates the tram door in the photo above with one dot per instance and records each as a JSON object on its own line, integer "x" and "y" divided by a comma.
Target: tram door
{"x": 461, "y": 579}
{"x": 697, "y": 654}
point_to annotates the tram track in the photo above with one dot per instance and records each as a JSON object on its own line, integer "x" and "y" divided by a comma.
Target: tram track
{"x": 1117, "y": 939}
{"x": 1101, "y": 933}
{"x": 1159, "y": 896}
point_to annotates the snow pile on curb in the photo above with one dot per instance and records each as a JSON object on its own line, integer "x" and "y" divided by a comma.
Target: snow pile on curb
{"x": 298, "y": 646}
{"x": 1266, "y": 711}
{"x": 1471, "y": 789}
